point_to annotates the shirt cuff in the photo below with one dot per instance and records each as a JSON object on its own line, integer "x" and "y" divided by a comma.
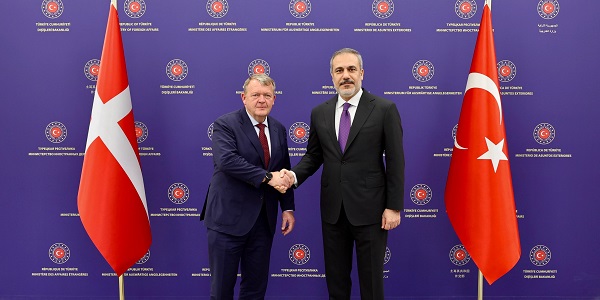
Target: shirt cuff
{"x": 295, "y": 179}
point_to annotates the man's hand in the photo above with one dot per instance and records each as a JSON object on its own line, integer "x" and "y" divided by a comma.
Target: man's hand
{"x": 390, "y": 219}
{"x": 290, "y": 176}
{"x": 287, "y": 177}
{"x": 288, "y": 221}
{"x": 280, "y": 182}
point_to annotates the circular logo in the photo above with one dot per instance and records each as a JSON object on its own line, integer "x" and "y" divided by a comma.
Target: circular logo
{"x": 56, "y": 132}
{"x": 209, "y": 131}
{"x": 141, "y": 131}
{"x": 506, "y": 70}
{"x": 59, "y": 253}
{"x": 540, "y": 255}
{"x": 217, "y": 8}
{"x": 177, "y": 70}
{"x": 459, "y": 255}
{"x": 91, "y": 69}
{"x": 423, "y": 70}
{"x": 420, "y": 194}
{"x": 52, "y": 8}
{"x": 259, "y": 66}
{"x": 299, "y": 132}
{"x": 134, "y": 8}
{"x": 299, "y": 254}
{"x": 544, "y": 133}
{"x": 144, "y": 259}
{"x": 388, "y": 255}
{"x": 383, "y": 9}
{"x": 548, "y": 9}
{"x": 465, "y": 9}
{"x": 300, "y": 8}
{"x": 178, "y": 193}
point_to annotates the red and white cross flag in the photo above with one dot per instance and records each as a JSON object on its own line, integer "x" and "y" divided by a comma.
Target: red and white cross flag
{"x": 112, "y": 200}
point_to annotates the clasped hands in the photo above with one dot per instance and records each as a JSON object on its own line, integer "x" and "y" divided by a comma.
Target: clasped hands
{"x": 282, "y": 180}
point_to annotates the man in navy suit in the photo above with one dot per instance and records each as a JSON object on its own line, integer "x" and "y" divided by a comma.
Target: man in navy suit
{"x": 357, "y": 138}
{"x": 240, "y": 210}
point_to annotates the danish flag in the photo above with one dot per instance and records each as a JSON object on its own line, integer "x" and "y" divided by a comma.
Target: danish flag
{"x": 479, "y": 193}
{"x": 111, "y": 200}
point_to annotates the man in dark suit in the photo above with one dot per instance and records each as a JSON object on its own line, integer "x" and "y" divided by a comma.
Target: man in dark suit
{"x": 361, "y": 193}
{"x": 241, "y": 204}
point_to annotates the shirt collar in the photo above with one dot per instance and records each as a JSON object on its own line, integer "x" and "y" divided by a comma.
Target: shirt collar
{"x": 354, "y": 100}
{"x": 254, "y": 122}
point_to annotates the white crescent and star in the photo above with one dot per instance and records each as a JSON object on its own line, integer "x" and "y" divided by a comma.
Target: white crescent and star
{"x": 494, "y": 153}
{"x": 481, "y": 81}
{"x": 540, "y": 255}
{"x": 465, "y": 7}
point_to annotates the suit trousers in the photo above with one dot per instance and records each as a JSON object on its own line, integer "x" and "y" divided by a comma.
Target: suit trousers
{"x": 338, "y": 242}
{"x": 250, "y": 253}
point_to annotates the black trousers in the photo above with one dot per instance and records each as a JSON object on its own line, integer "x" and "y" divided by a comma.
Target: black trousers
{"x": 338, "y": 242}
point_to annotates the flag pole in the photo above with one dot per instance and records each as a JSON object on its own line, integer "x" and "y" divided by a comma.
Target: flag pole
{"x": 480, "y": 275}
{"x": 121, "y": 280}
{"x": 479, "y": 285}
{"x": 121, "y": 288}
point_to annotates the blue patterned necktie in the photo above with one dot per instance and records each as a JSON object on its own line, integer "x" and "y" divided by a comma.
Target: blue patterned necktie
{"x": 344, "y": 127}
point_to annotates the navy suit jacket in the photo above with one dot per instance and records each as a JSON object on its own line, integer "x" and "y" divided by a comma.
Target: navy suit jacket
{"x": 236, "y": 194}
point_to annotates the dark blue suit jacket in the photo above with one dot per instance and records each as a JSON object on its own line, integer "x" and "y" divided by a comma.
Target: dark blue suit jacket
{"x": 236, "y": 194}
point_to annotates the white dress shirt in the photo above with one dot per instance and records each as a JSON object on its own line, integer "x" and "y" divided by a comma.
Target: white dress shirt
{"x": 340, "y": 108}
{"x": 266, "y": 122}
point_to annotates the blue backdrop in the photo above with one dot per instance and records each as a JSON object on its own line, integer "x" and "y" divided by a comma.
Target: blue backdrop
{"x": 187, "y": 60}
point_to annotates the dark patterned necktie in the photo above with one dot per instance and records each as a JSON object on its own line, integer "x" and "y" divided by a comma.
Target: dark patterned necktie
{"x": 344, "y": 127}
{"x": 263, "y": 142}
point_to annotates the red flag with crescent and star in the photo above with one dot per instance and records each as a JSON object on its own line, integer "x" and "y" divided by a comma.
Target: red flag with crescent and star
{"x": 112, "y": 200}
{"x": 479, "y": 193}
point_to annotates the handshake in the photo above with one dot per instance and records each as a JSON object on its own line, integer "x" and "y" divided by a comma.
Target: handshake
{"x": 282, "y": 180}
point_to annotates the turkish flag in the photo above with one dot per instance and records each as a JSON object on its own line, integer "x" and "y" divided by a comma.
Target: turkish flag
{"x": 111, "y": 199}
{"x": 479, "y": 193}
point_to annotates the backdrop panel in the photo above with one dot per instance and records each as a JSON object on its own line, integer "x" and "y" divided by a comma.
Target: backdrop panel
{"x": 187, "y": 60}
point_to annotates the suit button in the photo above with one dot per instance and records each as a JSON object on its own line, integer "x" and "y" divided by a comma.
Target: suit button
{"x": 343, "y": 162}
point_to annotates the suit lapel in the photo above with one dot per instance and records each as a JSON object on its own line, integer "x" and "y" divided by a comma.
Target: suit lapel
{"x": 329, "y": 117}
{"x": 364, "y": 109}
{"x": 274, "y": 134}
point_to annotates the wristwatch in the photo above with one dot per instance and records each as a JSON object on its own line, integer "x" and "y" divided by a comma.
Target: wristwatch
{"x": 268, "y": 177}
